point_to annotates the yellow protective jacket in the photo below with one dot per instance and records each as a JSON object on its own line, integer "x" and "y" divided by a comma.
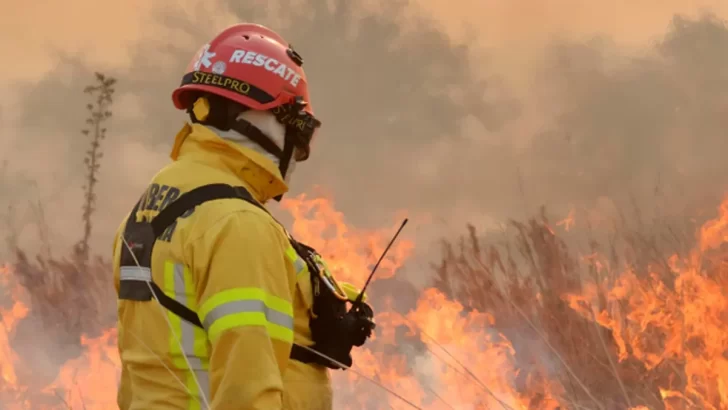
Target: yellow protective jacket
{"x": 231, "y": 263}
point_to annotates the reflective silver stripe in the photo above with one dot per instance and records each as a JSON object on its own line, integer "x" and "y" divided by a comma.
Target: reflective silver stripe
{"x": 135, "y": 273}
{"x": 299, "y": 265}
{"x": 188, "y": 336}
{"x": 246, "y": 306}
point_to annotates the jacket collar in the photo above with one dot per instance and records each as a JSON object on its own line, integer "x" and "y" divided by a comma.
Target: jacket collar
{"x": 258, "y": 173}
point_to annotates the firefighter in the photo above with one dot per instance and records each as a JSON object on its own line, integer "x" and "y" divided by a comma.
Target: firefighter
{"x": 216, "y": 308}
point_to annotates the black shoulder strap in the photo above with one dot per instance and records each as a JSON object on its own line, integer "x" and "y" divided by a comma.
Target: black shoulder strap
{"x": 189, "y": 200}
{"x": 175, "y": 307}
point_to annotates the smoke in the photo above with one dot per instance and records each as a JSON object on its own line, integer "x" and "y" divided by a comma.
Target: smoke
{"x": 459, "y": 122}
{"x": 474, "y": 122}
{"x": 646, "y": 125}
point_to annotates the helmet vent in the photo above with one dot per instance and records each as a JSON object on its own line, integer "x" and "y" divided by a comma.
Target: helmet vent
{"x": 294, "y": 56}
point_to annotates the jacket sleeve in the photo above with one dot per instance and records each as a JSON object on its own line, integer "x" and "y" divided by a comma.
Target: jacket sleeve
{"x": 245, "y": 288}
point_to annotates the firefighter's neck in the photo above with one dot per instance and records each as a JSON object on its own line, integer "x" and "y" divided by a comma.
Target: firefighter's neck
{"x": 268, "y": 124}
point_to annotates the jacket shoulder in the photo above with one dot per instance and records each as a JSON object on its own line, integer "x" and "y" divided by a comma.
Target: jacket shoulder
{"x": 233, "y": 211}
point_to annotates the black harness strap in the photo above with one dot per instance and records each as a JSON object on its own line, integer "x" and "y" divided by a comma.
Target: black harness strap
{"x": 195, "y": 197}
{"x": 175, "y": 307}
{"x": 178, "y": 208}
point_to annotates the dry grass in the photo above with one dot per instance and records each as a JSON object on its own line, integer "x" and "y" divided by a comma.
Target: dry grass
{"x": 522, "y": 281}
{"x": 66, "y": 301}
{"x": 65, "y": 293}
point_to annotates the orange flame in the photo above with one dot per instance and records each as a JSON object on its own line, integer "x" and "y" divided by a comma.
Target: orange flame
{"x": 441, "y": 355}
{"x": 457, "y": 341}
{"x": 10, "y": 316}
{"x": 569, "y": 221}
{"x": 679, "y": 317}
{"x": 350, "y": 253}
{"x": 90, "y": 381}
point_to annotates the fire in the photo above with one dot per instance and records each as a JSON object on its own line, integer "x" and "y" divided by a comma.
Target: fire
{"x": 452, "y": 341}
{"x": 90, "y": 381}
{"x": 470, "y": 350}
{"x": 569, "y": 221}
{"x": 460, "y": 348}
{"x": 349, "y": 253}
{"x": 441, "y": 354}
{"x": 673, "y": 321}
{"x": 9, "y": 389}
{"x": 85, "y": 382}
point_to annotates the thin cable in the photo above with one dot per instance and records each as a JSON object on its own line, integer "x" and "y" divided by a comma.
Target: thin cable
{"x": 149, "y": 349}
{"x": 467, "y": 371}
{"x": 358, "y": 373}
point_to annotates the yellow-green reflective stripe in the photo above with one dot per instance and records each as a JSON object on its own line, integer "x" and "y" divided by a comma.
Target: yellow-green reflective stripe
{"x": 248, "y": 307}
{"x": 236, "y": 294}
{"x": 174, "y": 320}
{"x": 298, "y": 263}
{"x": 179, "y": 285}
{"x": 195, "y": 344}
{"x": 235, "y": 320}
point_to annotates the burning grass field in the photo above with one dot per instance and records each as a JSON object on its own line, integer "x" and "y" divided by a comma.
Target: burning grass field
{"x": 548, "y": 316}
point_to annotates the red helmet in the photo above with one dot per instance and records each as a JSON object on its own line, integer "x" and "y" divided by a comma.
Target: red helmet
{"x": 255, "y": 67}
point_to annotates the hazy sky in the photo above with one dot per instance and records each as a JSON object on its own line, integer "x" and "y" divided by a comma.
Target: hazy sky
{"x": 515, "y": 30}
{"x": 464, "y": 111}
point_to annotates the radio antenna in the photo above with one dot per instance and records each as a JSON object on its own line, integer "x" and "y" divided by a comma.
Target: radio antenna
{"x": 371, "y": 275}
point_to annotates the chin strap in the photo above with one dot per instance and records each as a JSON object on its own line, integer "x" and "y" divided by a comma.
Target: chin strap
{"x": 300, "y": 126}
{"x": 254, "y": 133}
{"x": 284, "y": 160}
